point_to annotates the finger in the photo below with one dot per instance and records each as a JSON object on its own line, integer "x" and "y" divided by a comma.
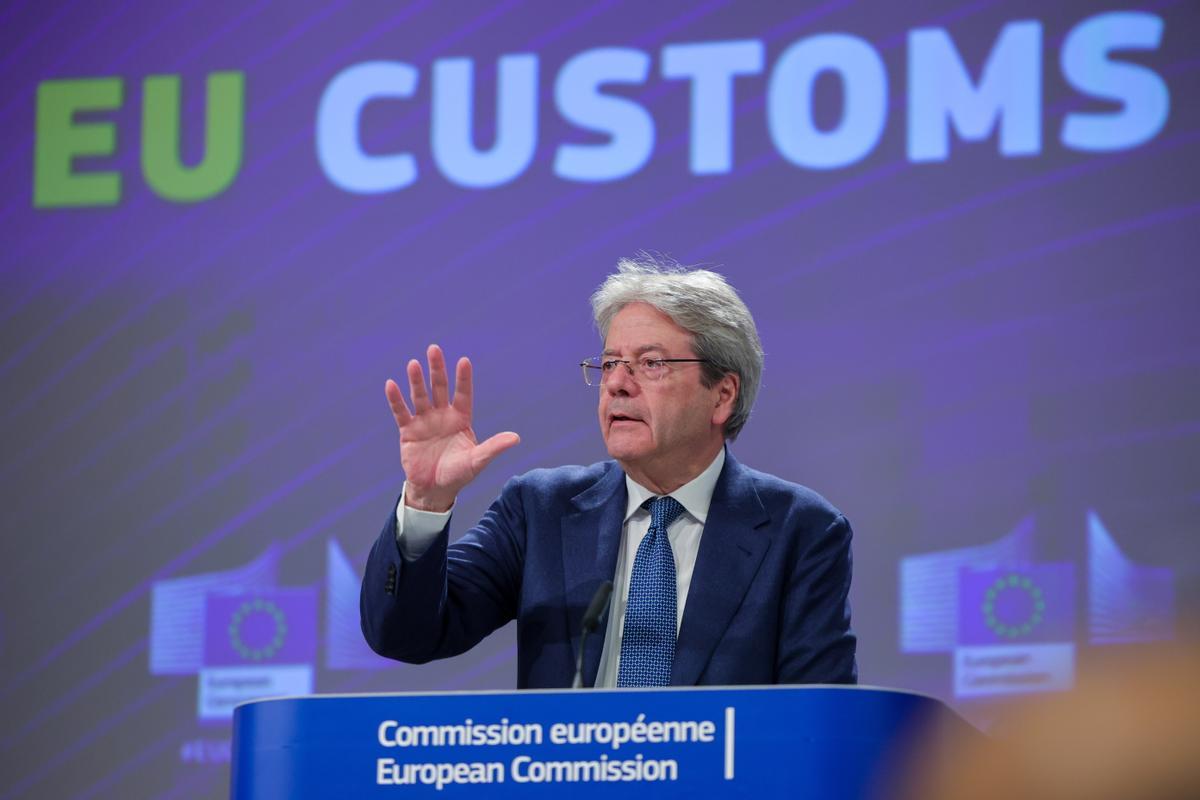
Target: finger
{"x": 463, "y": 389}
{"x": 396, "y": 401}
{"x": 439, "y": 382}
{"x": 487, "y": 450}
{"x": 416, "y": 387}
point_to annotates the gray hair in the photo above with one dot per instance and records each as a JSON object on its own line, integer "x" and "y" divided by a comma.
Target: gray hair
{"x": 703, "y": 304}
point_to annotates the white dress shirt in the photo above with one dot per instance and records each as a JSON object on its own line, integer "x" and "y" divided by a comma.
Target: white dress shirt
{"x": 416, "y": 530}
{"x": 684, "y": 535}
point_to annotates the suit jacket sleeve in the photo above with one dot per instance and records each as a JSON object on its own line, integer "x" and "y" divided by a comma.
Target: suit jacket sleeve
{"x": 817, "y": 645}
{"x": 452, "y": 596}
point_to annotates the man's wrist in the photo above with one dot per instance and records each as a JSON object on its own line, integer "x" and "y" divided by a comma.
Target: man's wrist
{"x": 419, "y": 500}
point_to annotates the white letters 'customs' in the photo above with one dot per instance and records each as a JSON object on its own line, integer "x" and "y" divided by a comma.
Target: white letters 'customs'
{"x": 971, "y": 98}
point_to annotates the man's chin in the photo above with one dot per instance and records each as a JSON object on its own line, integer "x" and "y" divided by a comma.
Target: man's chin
{"x": 624, "y": 450}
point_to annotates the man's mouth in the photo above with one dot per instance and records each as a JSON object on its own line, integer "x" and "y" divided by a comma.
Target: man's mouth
{"x": 615, "y": 418}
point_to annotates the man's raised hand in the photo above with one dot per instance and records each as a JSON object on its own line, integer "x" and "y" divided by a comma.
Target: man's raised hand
{"x": 438, "y": 449}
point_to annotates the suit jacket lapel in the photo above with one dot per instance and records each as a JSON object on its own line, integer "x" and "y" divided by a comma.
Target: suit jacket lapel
{"x": 591, "y": 535}
{"x": 731, "y": 548}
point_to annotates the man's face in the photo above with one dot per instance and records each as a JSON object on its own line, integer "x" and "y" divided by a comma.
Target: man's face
{"x": 658, "y": 429}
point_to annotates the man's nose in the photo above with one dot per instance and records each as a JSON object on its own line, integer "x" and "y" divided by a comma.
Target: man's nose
{"x": 620, "y": 380}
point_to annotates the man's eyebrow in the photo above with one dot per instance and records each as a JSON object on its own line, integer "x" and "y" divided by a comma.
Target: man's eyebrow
{"x": 646, "y": 348}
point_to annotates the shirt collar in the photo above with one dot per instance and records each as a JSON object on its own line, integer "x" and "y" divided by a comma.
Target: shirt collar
{"x": 695, "y": 496}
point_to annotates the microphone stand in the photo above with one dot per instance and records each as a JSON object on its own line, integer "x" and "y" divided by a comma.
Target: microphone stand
{"x": 591, "y": 619}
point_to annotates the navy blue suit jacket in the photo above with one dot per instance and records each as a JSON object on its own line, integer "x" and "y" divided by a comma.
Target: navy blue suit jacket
{"x": 767, "y": 603}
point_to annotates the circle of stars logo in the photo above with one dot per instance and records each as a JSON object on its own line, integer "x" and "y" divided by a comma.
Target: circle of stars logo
{"x": 1014, "y": 583}
{"x": 248, "y": 608}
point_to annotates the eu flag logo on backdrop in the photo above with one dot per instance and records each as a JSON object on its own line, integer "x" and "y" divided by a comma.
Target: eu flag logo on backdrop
{"x": 271, "y": 626}
{"x": 1032, "y": 603}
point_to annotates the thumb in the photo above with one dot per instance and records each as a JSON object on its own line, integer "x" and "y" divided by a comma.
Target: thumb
{"x": 488, "y": 449}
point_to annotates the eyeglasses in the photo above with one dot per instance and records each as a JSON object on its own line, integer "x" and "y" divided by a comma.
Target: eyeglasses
{"x": 596, "y": 371}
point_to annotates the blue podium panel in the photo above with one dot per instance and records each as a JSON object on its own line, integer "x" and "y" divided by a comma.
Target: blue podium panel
{"x": 773, "y": 741}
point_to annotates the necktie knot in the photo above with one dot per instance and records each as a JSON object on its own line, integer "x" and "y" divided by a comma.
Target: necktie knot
{"x": 663, "y": 511}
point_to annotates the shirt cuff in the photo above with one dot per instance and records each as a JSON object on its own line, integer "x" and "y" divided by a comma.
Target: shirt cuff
{"x": 416, "y": 529}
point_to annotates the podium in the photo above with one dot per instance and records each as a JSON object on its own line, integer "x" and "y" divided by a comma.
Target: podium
{"x": 773, "y": 741}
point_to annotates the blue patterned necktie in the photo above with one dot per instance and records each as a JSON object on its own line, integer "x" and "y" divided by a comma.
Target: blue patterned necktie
{"x": 648, "y": 641}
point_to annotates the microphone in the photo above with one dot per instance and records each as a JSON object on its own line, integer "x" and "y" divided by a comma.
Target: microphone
{"x": 591, "y": 618}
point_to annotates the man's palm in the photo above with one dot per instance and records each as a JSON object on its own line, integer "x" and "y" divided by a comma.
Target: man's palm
{"x": 438, "y": 448}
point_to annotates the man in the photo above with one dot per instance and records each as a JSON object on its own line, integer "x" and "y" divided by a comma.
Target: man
{"x": 722, "y": 575}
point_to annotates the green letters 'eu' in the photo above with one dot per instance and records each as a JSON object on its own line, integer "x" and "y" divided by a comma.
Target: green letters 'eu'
{"x": 59, "y": 140}
{"x": 161, "y": 165}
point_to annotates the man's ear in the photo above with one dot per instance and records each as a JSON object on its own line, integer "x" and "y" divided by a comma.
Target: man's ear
{"x": 727, "y": 394}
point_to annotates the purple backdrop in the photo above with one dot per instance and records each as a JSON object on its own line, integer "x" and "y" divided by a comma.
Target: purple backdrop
{"x": 988, "y": 361}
